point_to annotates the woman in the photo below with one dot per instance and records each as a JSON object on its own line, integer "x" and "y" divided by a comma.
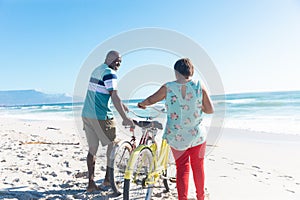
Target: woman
{"x": 185, "y": 99}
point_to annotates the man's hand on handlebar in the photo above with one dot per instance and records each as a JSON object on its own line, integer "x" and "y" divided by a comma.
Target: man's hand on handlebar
{"x": 128, "y": 122}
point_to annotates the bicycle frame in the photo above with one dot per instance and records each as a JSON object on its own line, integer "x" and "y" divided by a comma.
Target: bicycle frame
{"x": 159, "y": 164}
{"x": 146, "y": 135}
{"x": 132, "y": 142}
{"x": 142, "y": 144}
{"x": 124, "y": 148}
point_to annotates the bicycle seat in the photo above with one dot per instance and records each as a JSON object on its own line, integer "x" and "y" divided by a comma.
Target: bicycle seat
{"x": 148, "y": 124}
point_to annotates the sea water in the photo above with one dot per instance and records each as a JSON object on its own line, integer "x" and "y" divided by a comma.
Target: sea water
{"x": 273, "y": 112}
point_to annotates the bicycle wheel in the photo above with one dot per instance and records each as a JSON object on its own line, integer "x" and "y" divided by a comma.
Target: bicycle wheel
{"x": 140, "y": 164}
{"x": 119, "y": 159}
{"x": 169, "y": 175}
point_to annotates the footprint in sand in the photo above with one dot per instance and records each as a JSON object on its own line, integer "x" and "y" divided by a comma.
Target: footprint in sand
{"x": 21, "y": 157}
{"x": 239, "y": 163}
{"x": 81, "y": 175}
{"x": 287, "y": 177}
{"x": 16, "y": 180}
{"x": 68, "y": 184}
{"x": 53, "y": 174}
{"x": 158, "y": 195}
{"x": 82, "y": 159}
{"x": 103, "y": 168}
{"x": 68, "y": 172}
{"x": 56, "y": 155}
{"x": 291, "y": 191}
{"x": 67, "y": 164}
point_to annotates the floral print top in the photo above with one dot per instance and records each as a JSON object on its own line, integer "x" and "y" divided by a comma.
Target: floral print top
{"x": 184, "y": 115}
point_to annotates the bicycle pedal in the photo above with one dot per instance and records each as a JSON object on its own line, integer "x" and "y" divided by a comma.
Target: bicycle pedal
{"x": 172, "y": 180}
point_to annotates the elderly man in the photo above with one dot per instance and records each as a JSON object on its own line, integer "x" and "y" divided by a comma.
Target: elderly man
{"x": 98, "y": 120}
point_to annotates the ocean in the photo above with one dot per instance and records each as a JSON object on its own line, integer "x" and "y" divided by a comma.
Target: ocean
{"x": 273, "y": 112}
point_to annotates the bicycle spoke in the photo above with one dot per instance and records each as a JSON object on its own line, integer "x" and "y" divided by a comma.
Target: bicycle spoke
{"x": 118, "y": 166}
{"x": 136, "y": 187}
{"x": 169, "y": 176}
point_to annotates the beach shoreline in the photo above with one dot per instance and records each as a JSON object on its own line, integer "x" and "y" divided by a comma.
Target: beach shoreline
{"x": 243, "y": 165}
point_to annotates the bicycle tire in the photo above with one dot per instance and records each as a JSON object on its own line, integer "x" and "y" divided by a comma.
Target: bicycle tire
{"x": 169, "y": 174}
{"x": 118, "y": 162}
{"x": 141, "y": 163}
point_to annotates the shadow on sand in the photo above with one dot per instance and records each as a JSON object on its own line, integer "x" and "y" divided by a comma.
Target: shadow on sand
{"x": 21, "y": 193}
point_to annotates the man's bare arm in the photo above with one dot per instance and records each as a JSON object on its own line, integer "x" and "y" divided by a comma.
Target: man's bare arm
{"x": 119, "y": 106}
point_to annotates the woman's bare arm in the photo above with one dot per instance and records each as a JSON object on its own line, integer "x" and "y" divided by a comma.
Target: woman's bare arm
{"x": 207, "y": 105}
{"x": 154, "y": 98}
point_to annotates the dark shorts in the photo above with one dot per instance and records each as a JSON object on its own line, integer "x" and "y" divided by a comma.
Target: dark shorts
{"x": 99, "y": 130}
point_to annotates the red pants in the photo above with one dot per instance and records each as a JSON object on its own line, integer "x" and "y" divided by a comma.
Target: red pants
{"x": 195, "y": 156}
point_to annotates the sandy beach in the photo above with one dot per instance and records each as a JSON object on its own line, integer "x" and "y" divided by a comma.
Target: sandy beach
{"x": 47, "y": 160}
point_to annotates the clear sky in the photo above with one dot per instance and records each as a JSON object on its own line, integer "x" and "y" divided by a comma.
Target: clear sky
{"x": 255, "y": 44}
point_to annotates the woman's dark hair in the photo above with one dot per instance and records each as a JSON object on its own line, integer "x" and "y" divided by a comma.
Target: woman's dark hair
{"x": 185, "y": 67}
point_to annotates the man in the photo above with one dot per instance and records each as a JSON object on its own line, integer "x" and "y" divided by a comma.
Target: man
{"x": 99, "y": 124}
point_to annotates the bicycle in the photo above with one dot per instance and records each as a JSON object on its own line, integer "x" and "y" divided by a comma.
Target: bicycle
{"x": 122, "y": 150}
{"x": 145, "y": 168}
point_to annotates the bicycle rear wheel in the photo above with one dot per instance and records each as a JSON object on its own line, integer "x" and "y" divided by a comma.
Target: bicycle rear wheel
{"x": 119, "y": 159}
{"x": 169, "y": 175}
{"x": 135, "y": 186}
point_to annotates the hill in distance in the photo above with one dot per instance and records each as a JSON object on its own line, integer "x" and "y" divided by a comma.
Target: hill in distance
{"x": 31, "y": 97}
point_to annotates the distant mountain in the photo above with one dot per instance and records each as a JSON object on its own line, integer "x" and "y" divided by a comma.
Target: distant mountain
{"x": 31, "y": 97}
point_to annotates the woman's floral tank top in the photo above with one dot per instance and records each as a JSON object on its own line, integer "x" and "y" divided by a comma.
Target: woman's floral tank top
{"x": 184, "y": 115}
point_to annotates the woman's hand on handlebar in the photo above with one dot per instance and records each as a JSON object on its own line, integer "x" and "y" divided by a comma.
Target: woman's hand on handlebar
{"x": 141, "y": 105}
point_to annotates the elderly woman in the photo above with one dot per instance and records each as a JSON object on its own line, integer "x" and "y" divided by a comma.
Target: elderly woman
{"x": 185, "y": 101}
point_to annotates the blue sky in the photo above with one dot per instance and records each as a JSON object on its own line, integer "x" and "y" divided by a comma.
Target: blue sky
{"x": 255, "y": 44}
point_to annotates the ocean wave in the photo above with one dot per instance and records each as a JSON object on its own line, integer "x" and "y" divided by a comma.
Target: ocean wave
{"x": 268, "y": 112}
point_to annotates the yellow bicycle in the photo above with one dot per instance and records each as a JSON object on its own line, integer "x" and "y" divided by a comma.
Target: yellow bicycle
{"x": 122, "y": 150}
{"x": 148, "y": 166}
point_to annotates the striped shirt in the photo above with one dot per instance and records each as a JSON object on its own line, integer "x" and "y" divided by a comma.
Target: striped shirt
{"x": 97, "y": 101}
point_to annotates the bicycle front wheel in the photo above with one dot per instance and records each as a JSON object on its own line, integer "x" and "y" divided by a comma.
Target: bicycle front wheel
{"x": 140, "y": 166}
{"x": 119, "y": 159}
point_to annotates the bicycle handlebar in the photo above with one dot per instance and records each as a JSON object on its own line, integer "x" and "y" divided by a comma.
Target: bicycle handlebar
{"x": 160, "y": 111}
{"x": 148, "y": 124}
